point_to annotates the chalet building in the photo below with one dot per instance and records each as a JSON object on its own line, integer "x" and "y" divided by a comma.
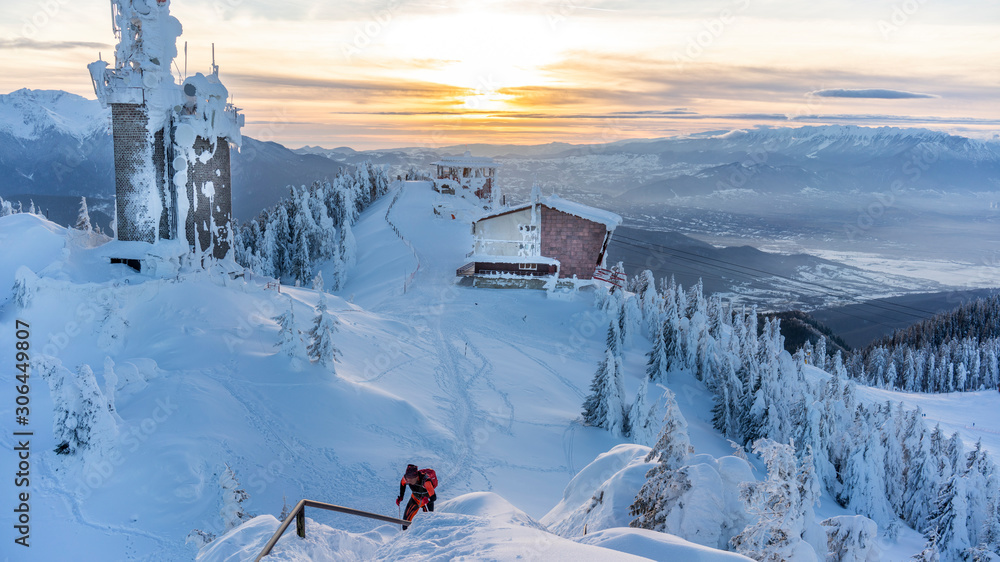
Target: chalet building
{"x": 549, "y": 237}
{"x": 467, "y": 172}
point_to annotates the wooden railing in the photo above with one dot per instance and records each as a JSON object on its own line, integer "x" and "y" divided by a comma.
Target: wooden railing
{"x": 299, "y": 515}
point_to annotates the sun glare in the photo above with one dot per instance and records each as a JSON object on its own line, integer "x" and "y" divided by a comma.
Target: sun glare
{"x": 487, "y": 101}
{"x": 480, "y": 51}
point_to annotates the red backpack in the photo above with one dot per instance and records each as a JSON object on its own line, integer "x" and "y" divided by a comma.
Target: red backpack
{"x": 429, "y": 474}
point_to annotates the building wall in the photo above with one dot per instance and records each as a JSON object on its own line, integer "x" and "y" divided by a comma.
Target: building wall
{"x": 505, "y": 236}
{"x": 141, "y": 212}
{"x": 209, "y": 193}
{"x": 575, "y": 242}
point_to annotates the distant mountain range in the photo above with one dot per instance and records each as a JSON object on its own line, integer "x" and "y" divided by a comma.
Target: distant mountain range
{"x": 828, "y": 159}
{"x": 56, "y": 143}
{"x": 56, "y": 147}
{"x": 808, "y": 184}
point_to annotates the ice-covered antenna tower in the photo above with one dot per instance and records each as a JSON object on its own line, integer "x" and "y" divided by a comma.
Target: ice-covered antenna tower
{"x": 172, "y": 167}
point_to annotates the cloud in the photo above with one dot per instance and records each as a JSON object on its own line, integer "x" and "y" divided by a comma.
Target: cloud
{"x": 874, "y": 93}
{"x": 25, "y": 43}
{"x": 277, "y": 86}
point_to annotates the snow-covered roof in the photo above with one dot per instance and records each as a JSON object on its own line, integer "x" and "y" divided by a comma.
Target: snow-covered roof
{"x": 609, "y": 219}
{"x": 468, "y": 161}
{"x": 593, "y": 214}
{"x": 485, "y": 258}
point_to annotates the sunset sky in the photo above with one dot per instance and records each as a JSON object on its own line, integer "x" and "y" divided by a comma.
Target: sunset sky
{"x": 399, "y": 73}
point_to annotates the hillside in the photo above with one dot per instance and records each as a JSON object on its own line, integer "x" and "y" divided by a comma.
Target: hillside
{"x": 486, "y": 386}
{"x": 442, "y": 376}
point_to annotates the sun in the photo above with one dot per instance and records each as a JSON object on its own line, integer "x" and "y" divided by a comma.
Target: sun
{"x": 480, "y": 52}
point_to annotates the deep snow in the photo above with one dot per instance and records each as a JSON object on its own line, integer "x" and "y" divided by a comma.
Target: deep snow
{"x": 483, "y": 385}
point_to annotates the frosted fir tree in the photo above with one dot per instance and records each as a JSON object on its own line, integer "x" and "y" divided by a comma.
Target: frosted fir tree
{"x": 301, "y": 265}
{"x": 890, "y": 437}
{"x": 983, "y": 488}
{"x": 851, "y": 538}
{"x": 317, "y": 282}
{"x": 651, "y": 303}
{"x": 948, "y": 525}
{"x": 605, "y": 406}
{"x": 665, "y": 483}
{"x": 777, "y": 506}
{"x": 83, "y": 217}
{"x": 673, "y": 445}
{"x": 6, "y": 209}
{"x": 864, "y": 482}
{"x": 289, "y": 337}
{"x": 657, "y": 361}
{"x": 82, "y": 423}
{"x": 321, "y": 347}
{"x": 629, "y": 319}
{"x": 23, "y": 290}
{"x": 644, "y": 421}
{"x": 110, "y": 387}
{"x": 728, "y": 397}
{"x": 233, "y": 513}
{"x": 348, "y": 246}
{"x": 922, "y": 478}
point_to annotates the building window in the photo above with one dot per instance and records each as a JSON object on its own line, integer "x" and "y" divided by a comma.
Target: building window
{"x": 528, "y": 266}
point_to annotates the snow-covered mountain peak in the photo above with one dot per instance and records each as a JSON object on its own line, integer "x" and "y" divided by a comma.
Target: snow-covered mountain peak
{"x": 30, "y": 114}
{"x": 851, "y": 138}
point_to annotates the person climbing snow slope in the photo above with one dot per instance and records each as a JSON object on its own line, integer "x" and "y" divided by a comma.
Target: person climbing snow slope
{"x": 422, "y": 493}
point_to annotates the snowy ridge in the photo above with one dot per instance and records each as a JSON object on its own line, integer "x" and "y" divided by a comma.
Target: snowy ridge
{"x": 32, "y": 114}
{"x": 484, "y": 386}
{"x": 849, "y": 138}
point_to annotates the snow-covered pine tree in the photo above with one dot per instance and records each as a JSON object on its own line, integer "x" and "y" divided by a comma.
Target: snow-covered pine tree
{"x": 6, "y": 209}
{"x": 348, "y": 247}
{"x": 317, "y": 282}
{"x": 651, "y": 303}
{"x": 657, "y": 361}
{"x": 864, "y": 481}
{"x": 629, "y": 319}
{"x": 110, "y": 386}
{"x": 673, "y": 444}
{"x": 233, "y": 513}
{"x": 777, "y": 507}
{"x": 727, "y": 397}
{"x": 321, "y": 347}
{"x": 851, "y": 538}
{"x": 819, "y": 356}
{"x": 605, "y": 406}
{"x": 948, "y": 524}
{"x": 921, "y": 475}
{"x": 82, "y": 423}
{"x": 664, "y": 483}
{"x": 289, "y": 337}
{"x": 301, "y": 265}
{"x": 891, "y": 438}
{"x": 24, "y": 287}
{"x": 83, "y": 217}
{"x": 982, "y": 488}
{"x": 643, "y": 422}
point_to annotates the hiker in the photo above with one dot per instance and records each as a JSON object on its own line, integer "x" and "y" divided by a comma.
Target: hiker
{"x": 422, "y": 494}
